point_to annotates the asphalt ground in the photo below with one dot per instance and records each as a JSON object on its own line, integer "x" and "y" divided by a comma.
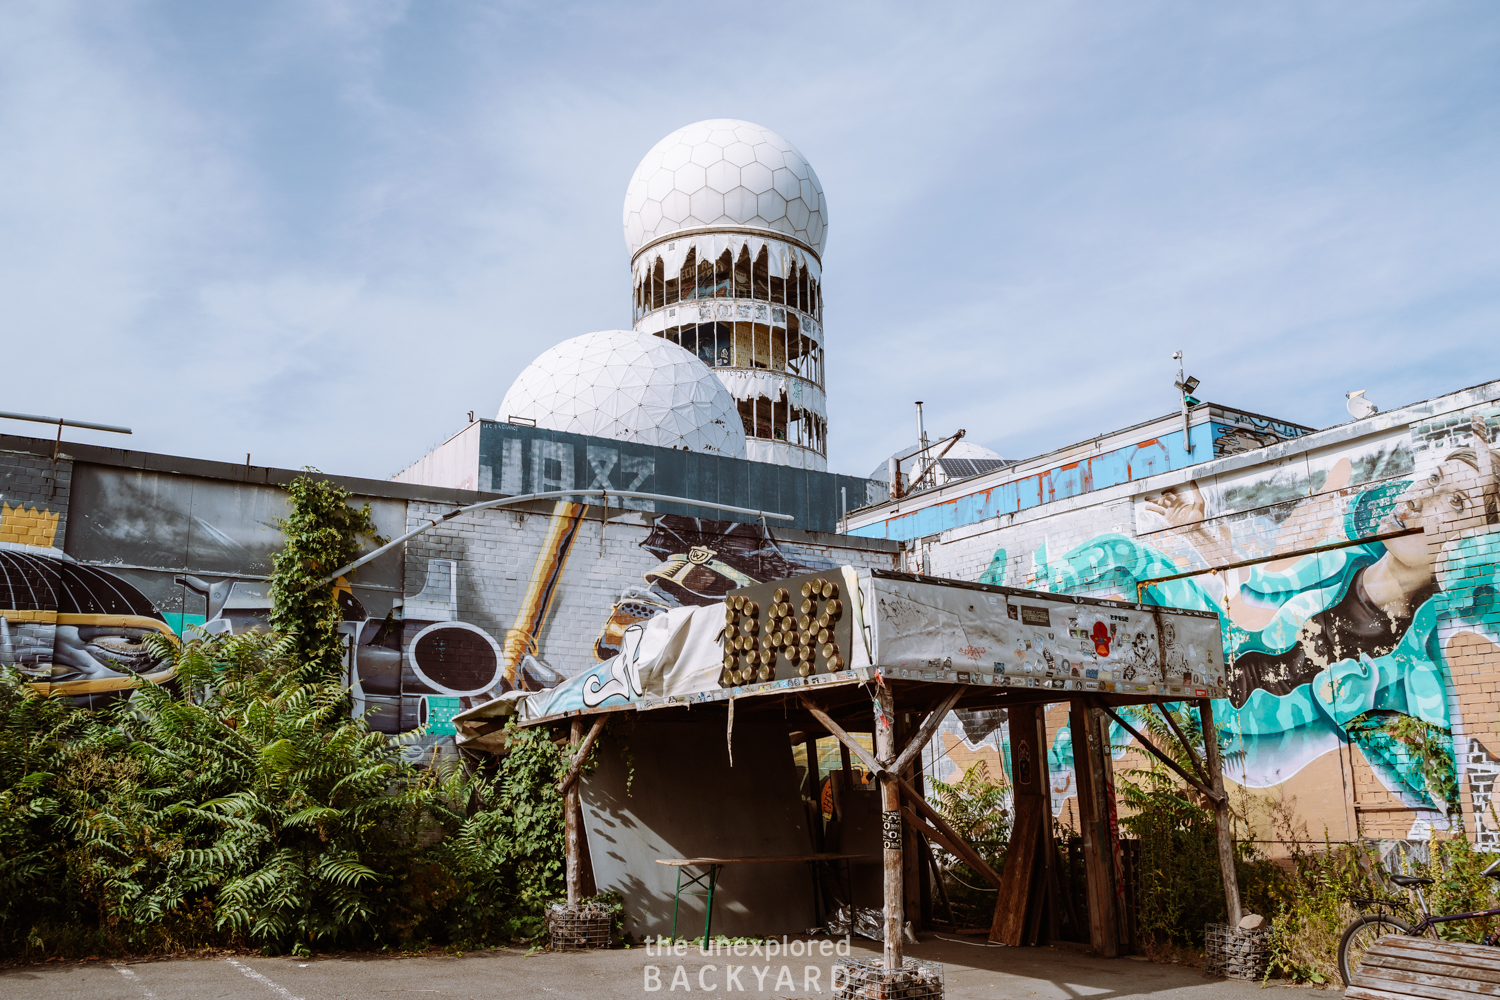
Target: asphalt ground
{"x": 970, "y": 970}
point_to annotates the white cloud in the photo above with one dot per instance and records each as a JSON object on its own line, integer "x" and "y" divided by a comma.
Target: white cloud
{"x": 337, "y": 227}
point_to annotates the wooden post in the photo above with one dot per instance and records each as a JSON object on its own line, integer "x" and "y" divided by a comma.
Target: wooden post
{"x": 1221, "y": 813}
{"x": 815, "y": 817}
{"x": 890, "y": 826}
{"x": 1123, "y": 918}
{"x": 1025, "y": 891}
{"x": 911, "y": 874}
{"x": 810, "y": 750}
{"x": 1093, "y": 818}
{"x": 570, "y": 826}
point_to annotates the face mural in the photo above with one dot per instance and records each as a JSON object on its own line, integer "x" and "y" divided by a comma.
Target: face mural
{"x": 1326, "y": 648}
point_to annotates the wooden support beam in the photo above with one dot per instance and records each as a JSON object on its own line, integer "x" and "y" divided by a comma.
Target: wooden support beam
{"x": 838, "y": 731}
{"x": 948, "y": 836}
{"x": 1221, "y": 813}
{"x": 892, "y": 859}
{"x": 1187, "y": 746}
{"x": 937, "y": 880}
{"x": 1150, "y": 748}
{"x": 914, "y": 746}
{"x": 953, "y": 844}
{"x": 911, "y": 880}
{"x": 575, "y": 763}
{"x": 1093, "y": 820}
{"x": 810, "y": 751}
{"x": 570, "y": 819}
{"x": 1023, "y": 906}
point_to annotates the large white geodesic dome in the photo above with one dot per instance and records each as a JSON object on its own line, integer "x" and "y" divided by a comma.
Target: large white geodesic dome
{"x": 628, "y": 386}
{"x": 725, "y": 172}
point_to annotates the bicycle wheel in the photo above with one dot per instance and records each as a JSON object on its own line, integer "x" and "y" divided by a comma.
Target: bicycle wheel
{"x": 1360, "y": 935}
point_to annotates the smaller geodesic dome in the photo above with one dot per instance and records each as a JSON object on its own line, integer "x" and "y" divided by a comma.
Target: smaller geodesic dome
{"x": 630, "y": 387}
{"x": 961, "y": 460}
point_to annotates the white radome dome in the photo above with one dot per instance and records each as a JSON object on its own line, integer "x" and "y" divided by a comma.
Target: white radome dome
{"x": 725, "y": 172}
{"x": 628, "y": 386}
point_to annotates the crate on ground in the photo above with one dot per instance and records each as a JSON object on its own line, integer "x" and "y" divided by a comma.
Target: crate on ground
{"x": 1397, "y": 966}
{"x": 578, "y": 928}
{"x": 1236, "y": 952}
{"x": 868, "y": 979}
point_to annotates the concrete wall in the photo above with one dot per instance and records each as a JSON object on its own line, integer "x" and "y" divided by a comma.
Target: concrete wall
{"x": 1122, "y": 457}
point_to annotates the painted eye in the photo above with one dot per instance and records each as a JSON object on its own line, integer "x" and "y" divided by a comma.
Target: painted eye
{"x": 1434, "y": 479}
{"x": 1456, "y": 502}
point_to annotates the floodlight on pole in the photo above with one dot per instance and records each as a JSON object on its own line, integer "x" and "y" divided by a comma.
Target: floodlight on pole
{"x": 1186, "y": 385}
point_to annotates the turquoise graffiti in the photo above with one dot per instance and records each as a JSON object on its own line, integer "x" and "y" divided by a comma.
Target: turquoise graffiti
{"x": 1329, "y": 657}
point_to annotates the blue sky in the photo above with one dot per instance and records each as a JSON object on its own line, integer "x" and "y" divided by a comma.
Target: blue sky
{"x": 320, "y": 232}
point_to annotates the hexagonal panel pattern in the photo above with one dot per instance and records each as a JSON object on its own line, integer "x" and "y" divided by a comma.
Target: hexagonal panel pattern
{"x": 628, "y": 386}
{"x": 723, "y": 171}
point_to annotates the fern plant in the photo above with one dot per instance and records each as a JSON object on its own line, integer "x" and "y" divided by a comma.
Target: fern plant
{"x": 244, "y": 806}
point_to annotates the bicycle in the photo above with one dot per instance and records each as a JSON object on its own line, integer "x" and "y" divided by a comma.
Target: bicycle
{"x": 1371, "y": 927}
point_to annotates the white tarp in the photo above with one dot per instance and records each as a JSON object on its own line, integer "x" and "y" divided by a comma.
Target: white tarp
{"x": 675, "y": 653}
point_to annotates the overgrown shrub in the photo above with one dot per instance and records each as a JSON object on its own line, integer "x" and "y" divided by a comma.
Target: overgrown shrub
{"x": 258, "y": 815}
{"x": 976, "y": 807}
{"x": 1179, "y": 878}
{"x": 245, "y": 807}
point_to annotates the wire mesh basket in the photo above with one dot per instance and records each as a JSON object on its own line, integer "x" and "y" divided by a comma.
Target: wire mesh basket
{"x": 866, "y": 979}
{"x": 1235, "y": 952}
{"x": 578, "y": 928}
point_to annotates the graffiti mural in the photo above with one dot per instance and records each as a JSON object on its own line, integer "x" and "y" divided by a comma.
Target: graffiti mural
{"x": 1353, "y": 575}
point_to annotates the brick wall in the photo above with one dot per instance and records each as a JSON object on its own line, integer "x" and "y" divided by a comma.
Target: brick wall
{"x": 34, "y": 494}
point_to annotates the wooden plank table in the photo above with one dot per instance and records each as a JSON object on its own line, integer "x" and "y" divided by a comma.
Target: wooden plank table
{"x": 707, "y": 880}
{"x": 1398, "y": 967}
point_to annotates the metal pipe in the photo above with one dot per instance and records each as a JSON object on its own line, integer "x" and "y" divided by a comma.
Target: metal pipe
{"x": 917, "y": 451}
{"x": 894, "y": 465}
{"x": 921, "y": 438}
{"x": 552, "y": 495}
{"x": 1294, "y": 554}
{"x": 932, "y": 464}
{"x": 64, "y": 422}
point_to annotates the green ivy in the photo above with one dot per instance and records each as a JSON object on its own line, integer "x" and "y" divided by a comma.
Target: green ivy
{"x": 322, "y": 533}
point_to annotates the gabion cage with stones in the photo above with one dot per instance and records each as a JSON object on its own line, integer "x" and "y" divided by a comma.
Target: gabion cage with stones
{"x": 1236, "y": 952}
{"x": 856, "y": 979}
{"x": 577, "y": 928}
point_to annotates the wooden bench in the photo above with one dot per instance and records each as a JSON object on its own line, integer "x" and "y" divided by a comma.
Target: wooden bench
{"x": 1398, "y": 967}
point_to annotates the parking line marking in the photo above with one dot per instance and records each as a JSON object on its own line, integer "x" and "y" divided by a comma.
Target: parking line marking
{"x": 275, "y": 987}
{"x": 130, "y": 975}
